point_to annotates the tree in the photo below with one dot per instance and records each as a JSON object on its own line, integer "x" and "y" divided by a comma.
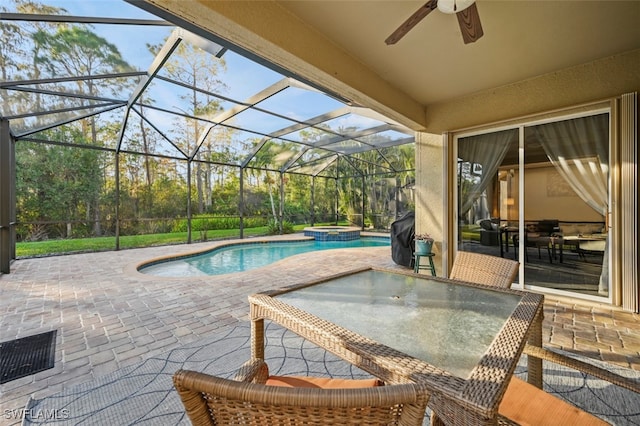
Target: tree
{"x": 77, "y": 51}
{"x": 196, "y": 68}
{"x": 11, "y": 53}
{"x": 60, "y": 188}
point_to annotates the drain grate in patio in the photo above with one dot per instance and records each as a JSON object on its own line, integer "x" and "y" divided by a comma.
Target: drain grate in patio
{"x": 28, "y": 355}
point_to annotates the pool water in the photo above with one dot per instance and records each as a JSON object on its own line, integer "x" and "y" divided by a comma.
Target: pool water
{"x": 244, "y": 257}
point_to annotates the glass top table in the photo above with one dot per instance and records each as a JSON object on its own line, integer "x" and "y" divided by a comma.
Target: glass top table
{"x": 445, "y": 324}
{"x": 461, "y": 339}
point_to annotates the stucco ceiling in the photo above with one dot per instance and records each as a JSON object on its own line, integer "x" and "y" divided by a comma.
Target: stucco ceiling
{"x": 431, "y": 64}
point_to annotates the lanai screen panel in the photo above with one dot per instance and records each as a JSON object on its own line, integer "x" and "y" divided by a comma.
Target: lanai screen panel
{"x": 189, "y": 93}
{"x": 78, "y": 133}
{"x": 21, "y": 98}
{"x": 258, "y": 122}
{"x": 387, "y": 138}
{"x": 300, "y": 103}
{"x": 311, "y": 136}
{"x": 30, "y": 107}
{"x": 348, "y": 146}
{"x": 62, "y": 197}
{"x": 142, "y": 136}
{"x": 315, "y": 162}
{"x": 29, "y": 124}
{"x": 232, "y": 144}
{"x": 400, "y": 158}
{"x": 275, "y": 154}
{"x": 245, "y": 78}
{"x": 180, "y": 100}
{"x": 350, "y": 123}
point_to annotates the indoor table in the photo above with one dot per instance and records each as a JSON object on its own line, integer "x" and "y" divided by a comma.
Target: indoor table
{"x": 587, "y": 243}
{"x": 505, "y": 234}
{"x": 461, "y": 340}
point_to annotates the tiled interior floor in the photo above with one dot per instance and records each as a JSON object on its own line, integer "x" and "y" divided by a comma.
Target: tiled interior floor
{"x": 109, "y": 316}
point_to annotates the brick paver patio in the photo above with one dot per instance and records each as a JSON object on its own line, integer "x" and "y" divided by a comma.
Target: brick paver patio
{"x": 109, "y": 316}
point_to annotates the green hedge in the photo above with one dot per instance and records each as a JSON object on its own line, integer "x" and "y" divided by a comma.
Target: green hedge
{"x": 209, "y": 223}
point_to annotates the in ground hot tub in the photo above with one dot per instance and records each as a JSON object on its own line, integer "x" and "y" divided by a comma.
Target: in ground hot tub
{"x": 333, "y": 233}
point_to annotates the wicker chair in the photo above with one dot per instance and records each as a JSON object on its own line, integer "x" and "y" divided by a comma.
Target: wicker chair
{"x": 525, "y": 404}
{"x": 484, "y": 269}
{"x": 210, "y": 400}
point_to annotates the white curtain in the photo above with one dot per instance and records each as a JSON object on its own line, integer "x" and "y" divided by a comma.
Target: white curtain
{"x": 579, "y": 149}
{"x": 489, "y": 151}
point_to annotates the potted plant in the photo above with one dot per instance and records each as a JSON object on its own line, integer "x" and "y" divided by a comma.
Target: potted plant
{"x": 424, "y": 243}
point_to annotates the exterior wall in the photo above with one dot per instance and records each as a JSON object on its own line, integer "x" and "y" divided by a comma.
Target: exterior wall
{"x": 430, "y": 193}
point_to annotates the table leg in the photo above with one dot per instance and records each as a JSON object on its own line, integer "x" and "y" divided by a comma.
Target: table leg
{"x": 534, "y": 364}
{"x": 257, "y": 338}
{"x": 557, "y": 246}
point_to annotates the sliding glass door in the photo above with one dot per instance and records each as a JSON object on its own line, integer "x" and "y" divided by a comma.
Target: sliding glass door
{"x": 539, "y": 193}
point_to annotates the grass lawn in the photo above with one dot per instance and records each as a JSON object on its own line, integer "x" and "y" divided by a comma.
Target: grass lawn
{"x": 80, "y": 245}
{"x": 470, "y": 233}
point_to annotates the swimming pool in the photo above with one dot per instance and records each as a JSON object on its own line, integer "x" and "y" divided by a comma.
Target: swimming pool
{"x": 243, "y": 257}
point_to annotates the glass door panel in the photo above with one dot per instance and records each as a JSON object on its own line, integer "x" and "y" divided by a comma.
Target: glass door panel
{"x": 566, "y": 201}
{"x": 487, "y": 192}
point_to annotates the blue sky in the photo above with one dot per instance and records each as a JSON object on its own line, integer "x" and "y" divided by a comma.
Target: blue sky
{"x": 130, "y": 41}
{"x": 244, "y": 77}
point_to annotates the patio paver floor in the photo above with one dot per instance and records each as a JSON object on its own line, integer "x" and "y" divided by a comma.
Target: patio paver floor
{"x": 109, "y": 316}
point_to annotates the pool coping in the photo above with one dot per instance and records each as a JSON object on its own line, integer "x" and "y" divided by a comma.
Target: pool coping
{"x": 218, "y": 245}
{"x": 290, "y": 238}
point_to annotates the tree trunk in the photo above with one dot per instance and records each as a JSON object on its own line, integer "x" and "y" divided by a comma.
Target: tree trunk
{"x": 199, "y": 187}
{"x": 273, "y": 206}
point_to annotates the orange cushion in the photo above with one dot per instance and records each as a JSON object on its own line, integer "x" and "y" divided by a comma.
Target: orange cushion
{"x": 527, "y": 405}
{"x": 321, "y": 382}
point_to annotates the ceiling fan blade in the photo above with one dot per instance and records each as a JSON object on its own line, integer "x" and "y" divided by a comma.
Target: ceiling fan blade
{"x": 470, "y": 26}
{"x": 418, "y": 16}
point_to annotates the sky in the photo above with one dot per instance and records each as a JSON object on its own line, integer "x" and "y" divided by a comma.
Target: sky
{"x": 244, "y": 77}
{"x": 132, "y": 47}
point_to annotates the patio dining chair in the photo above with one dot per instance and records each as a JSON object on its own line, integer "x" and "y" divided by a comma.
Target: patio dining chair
{"x": 484, "y": 269}
{"x": 254, "y": 397}
{"x": 526, "y": 404}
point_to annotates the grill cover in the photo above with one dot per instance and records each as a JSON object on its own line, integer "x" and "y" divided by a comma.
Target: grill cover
{"x": 402, "y": 236}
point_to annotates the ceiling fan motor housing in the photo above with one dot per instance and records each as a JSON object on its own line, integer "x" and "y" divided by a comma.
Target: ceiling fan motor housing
{"x": 453, "y": 6}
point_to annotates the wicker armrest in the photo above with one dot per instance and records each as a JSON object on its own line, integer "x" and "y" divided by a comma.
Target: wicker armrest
{"x": 524, "y": 403}
{"x": 210, "y": 400}
{"x": 591, "y": 369}
{"x": 254, "y": 370}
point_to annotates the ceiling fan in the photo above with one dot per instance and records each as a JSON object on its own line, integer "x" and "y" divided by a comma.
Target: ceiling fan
{"x": 465, "y": 10}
